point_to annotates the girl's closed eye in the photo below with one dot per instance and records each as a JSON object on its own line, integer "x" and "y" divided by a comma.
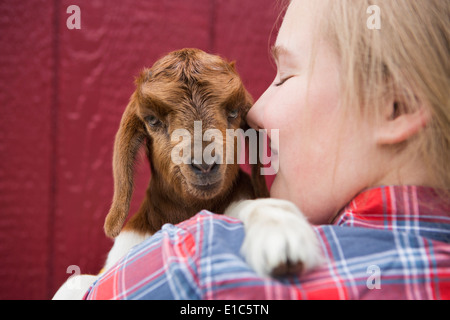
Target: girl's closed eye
{"x": 282, "y": 81}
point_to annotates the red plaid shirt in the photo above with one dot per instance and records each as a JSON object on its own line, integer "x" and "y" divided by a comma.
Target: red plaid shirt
{"x": 388, "y": 243}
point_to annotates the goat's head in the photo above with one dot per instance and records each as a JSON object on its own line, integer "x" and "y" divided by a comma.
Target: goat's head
{"x": 176, "y": 104}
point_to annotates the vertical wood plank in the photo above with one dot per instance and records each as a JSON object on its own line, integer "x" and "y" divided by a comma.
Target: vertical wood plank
{"x": 26, "y": 98}
{"x": 244, "y": 31}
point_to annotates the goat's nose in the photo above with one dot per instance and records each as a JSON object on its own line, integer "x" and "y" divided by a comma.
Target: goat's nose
{"x": 203, "y": 167}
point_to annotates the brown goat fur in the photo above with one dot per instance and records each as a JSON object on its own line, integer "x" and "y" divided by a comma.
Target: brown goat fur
{"x": 182, "y": 87}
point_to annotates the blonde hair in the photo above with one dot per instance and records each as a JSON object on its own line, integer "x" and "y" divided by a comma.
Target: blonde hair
{"x": 407, "y": 59}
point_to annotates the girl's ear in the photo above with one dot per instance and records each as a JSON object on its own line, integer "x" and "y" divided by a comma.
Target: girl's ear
{"x": 398, "y": 123}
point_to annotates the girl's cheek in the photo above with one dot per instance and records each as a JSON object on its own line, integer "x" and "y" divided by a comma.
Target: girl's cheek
{"x": 275, "y": 110}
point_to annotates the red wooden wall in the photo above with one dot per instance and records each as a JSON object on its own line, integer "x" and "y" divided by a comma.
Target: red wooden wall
{"x": 62, "y": 93}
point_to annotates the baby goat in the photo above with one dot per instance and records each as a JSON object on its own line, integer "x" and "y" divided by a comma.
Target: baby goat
{"x": 183, "y": 87}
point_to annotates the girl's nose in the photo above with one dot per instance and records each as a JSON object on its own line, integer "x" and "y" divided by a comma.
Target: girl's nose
{"x": 255, "y": 115}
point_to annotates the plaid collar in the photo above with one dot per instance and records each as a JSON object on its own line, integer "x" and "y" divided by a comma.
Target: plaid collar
{"x": 410, "y": 209}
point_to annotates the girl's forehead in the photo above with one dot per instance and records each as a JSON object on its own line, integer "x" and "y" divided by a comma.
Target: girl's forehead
{"x": 298, "y": 33}
{"x": 299, "y": 25}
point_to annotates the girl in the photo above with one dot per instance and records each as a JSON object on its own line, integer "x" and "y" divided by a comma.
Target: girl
{"x": 364, "y": 147}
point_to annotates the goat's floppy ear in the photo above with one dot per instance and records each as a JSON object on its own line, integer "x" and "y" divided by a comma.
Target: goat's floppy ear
{"x": 129, "y": 139}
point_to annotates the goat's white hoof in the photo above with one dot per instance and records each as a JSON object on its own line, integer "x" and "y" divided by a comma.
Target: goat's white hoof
{"x": 279, "y": 240}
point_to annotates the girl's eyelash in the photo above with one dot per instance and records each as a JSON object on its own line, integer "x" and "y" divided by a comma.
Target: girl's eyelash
{"x": 282, "y": 81}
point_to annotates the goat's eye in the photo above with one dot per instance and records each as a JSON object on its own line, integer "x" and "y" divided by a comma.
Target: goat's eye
{"x": 233, "y": 114}
{"x": 152, "y": 121}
